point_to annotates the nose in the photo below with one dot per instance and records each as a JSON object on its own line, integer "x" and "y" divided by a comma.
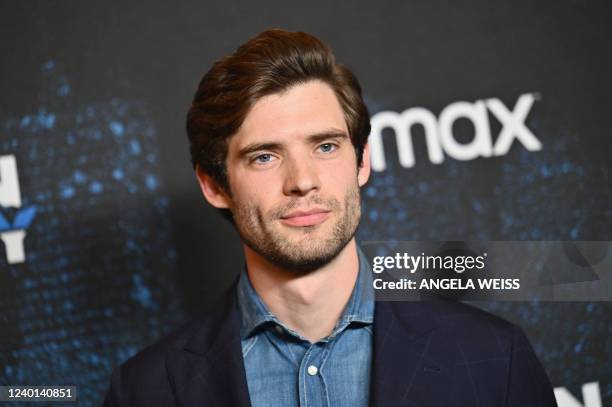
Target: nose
{"x": 301, "y": 177}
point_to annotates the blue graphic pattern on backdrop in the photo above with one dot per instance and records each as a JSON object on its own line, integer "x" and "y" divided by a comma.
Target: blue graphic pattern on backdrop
{"x": 98, "y": 249}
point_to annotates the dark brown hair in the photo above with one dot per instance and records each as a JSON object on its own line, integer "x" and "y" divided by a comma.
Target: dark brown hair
{"x": 269, "y": 63}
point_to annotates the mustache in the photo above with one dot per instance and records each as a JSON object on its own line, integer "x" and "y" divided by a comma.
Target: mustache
{"x": 330, "y": 204}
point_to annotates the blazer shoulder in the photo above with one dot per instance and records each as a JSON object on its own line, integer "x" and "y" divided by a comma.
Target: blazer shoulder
{"x": 488, "y": 346}
{"x": 143, "y": 379}
{"x": 469, "y": 324}
{"x": 153, "y": 356}
{"x": 204, "y": 327}
{"x": 451, "y": 311}
{"x": 471, "y": 328}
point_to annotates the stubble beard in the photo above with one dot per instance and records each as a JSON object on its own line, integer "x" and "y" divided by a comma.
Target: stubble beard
{"x": 309, "y": 252}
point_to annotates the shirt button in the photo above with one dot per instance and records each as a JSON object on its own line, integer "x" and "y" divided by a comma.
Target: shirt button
{"x": 312, "y": 370}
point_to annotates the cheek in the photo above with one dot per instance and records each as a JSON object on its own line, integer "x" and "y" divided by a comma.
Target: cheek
{"x": 255, "y": 183}
{"x": 341, "y": 177}
{"x": 251, "y": 197}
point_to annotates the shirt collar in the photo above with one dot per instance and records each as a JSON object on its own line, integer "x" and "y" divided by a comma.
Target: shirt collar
{"x": 359, "y": 309}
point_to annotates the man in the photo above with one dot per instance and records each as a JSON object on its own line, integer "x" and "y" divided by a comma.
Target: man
{"x": 278, "y": 134}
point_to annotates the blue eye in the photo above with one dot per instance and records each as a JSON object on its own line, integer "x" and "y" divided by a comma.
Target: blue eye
{"x": 263, "y": 158}
{"x": 327, "y": 147}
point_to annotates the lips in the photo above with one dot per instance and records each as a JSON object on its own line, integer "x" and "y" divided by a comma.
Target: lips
{"x": 305, "y": 218}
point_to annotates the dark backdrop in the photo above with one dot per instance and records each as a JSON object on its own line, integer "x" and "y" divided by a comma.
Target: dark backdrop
{"x": 120, "y": 246}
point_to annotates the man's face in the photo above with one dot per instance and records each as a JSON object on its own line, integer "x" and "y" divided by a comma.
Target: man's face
{"x": 294, "y": 179}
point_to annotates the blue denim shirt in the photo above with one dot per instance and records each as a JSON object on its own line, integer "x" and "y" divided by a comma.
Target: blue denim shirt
{"x": 285, "y": 369}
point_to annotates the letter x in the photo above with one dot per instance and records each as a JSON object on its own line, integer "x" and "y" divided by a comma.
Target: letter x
{"x": 514, "y": 124}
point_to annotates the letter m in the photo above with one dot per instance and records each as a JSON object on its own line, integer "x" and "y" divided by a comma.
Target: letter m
{"x": 402, "y": 126}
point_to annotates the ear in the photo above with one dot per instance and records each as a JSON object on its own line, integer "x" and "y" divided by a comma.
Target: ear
{"x": 214, "y": 194}
{"x": 363, "y": 173}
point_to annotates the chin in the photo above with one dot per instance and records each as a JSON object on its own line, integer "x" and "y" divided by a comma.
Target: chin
{"x": 304, "y": 264}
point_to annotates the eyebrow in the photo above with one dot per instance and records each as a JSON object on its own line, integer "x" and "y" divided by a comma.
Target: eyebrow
{"x": 312, "y": 138}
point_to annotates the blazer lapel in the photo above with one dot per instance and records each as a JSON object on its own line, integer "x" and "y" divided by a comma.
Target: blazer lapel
{"x": 406, "y": 368}
{"x": 209, "y": 370}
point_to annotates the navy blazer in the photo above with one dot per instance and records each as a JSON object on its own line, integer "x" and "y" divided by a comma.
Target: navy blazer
{"x": 433, "y": 353}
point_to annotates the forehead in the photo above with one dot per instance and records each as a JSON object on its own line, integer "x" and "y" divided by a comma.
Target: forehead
{"x": 302, "y": 110}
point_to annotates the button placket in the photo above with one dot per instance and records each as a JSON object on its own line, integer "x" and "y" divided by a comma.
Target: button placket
{"x": 312, "y": 385}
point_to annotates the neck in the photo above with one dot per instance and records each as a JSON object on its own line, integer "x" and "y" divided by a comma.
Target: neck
{"x": 311, "y": 303}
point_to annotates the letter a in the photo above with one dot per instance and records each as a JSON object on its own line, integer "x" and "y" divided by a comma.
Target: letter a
{"x": 477, "y": 114}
